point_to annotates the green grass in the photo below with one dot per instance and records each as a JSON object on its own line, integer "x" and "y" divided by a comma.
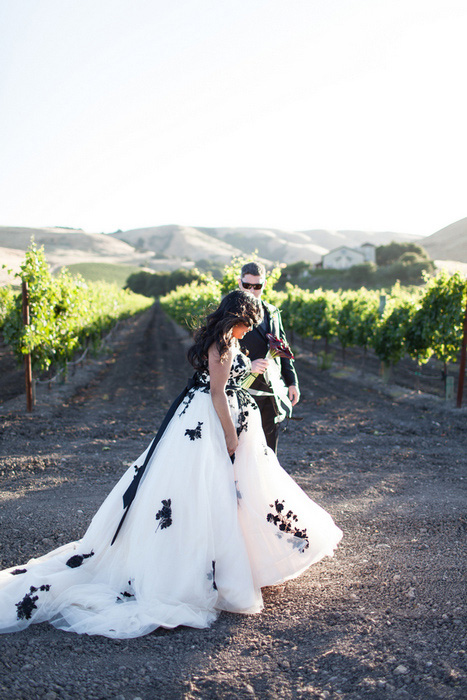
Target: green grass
{"x": 104, "y": 272}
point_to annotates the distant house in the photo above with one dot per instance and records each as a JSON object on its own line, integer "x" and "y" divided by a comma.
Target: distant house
{"x": 344, "y": 257}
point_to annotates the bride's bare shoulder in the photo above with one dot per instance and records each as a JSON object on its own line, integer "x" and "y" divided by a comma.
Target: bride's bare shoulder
{"x": 214, "y": 355}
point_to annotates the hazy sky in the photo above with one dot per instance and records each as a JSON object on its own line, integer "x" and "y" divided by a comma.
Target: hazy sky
{"x": 293, "y": 114}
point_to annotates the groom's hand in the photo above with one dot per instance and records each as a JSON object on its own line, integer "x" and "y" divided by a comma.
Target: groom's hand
{"x": 294, "y": 394}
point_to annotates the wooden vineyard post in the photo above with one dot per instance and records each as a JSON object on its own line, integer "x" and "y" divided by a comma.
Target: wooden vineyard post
{"x": 460, "y": 384}
{"x": 27, "y": 358}
{"x": 384, "y": 369}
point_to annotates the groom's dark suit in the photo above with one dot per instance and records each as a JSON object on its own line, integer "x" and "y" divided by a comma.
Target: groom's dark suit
{"x": 257, "y": 345}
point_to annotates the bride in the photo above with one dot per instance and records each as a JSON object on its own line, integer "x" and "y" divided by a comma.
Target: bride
{"x": 201, "y": 521}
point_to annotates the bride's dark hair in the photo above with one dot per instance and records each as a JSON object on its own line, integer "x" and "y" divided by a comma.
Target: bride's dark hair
{"x": 236, "y": 307}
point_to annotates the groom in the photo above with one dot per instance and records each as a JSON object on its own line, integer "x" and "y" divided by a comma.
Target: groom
{"x": 252, "y": 279}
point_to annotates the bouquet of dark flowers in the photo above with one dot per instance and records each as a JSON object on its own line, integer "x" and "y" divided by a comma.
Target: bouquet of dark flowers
{"x": 277, "y": 348}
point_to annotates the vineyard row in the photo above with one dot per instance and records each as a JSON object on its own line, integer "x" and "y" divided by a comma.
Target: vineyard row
{"x": 66, "y": 314}
{"x": 420, "y": 323}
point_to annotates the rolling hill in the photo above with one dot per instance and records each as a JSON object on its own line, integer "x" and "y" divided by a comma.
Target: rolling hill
{"x": 173, "y": 246}
{"x": 272, "y": 244}
{"x": 174, "y": 241}
{"x": 63, "y": 247}
{"x": 450, "y": 243}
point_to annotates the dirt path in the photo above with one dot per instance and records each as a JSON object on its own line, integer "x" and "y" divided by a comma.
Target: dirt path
{"x": 385, "y": 618}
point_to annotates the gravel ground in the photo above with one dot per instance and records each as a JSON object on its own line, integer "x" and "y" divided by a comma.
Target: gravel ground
{"x": 385, "y": 618}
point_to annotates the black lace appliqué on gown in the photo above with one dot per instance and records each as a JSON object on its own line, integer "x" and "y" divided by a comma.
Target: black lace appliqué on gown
{"x": 28, "y": 604}
{"x": 195, "y": 433}
{"x": 187, "y": 400}
{"x": 285, "y": 523}
{"x": 244, "y": 406}
{"x": 125, "y": 594}
{"x": 77, "y": 559}
{"x": 165, "y": 514}
{"x": 16, "y": 572}
{"x": 211, "y": 576}
{"x": 202, "y": 384}
{"x": 239, "y": 365}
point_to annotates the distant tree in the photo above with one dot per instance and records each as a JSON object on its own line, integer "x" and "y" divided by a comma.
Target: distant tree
{"x": 295, "y": 273}
{"x": 410, "y": 258}
{"x": 177, "y": 278}
{"x": 155, "y": 284}
{"x": 139, "y": 282}
{"x": 211, "y": 267}
{"x": 405, "y": 272}
{"x": 391, "y": 253}
{"x": 362, "y": 275}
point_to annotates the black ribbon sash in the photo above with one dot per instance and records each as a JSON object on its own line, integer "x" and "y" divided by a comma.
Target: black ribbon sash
{"x": 130, "y": 493}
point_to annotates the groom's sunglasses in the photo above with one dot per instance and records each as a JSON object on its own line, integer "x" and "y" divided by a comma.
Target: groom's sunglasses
{"x": 248, "y": 285}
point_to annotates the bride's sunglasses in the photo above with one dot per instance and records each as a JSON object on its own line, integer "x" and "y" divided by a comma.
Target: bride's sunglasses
{"x": 248, "y": 285}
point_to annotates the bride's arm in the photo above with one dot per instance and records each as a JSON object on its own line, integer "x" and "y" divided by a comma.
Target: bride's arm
{"x": 219, "y": 375}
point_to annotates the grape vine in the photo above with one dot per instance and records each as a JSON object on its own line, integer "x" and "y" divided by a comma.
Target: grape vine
{"x": 66, "y": 313}
{"x": 418, "y": 322}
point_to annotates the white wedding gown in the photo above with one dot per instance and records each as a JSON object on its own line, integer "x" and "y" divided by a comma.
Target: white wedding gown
{"x": 202, "y": 535}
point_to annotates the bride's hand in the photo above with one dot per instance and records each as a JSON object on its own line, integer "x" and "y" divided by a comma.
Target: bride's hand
{"x": 231, "y": 440}
{"x": 259, "y": 366}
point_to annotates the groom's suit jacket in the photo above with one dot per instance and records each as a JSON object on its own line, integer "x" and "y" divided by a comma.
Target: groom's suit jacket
{"x": 257, "y": 345}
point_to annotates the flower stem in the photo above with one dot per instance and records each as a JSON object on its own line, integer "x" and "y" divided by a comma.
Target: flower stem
{"x": 250, "y": 378}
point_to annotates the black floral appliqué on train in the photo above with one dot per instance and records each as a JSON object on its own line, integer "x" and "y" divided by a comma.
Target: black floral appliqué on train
{"x": 285, "y": 523}
{"x": 165, "y": 514}
{"x": 77, "y": 559}
{"x": 211, "y": 576}
{"x": 125, "y": 594}
{"x": 28, "y": 604}
{"x": 16, "y": 572}
{"x": 195, "y": 433}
